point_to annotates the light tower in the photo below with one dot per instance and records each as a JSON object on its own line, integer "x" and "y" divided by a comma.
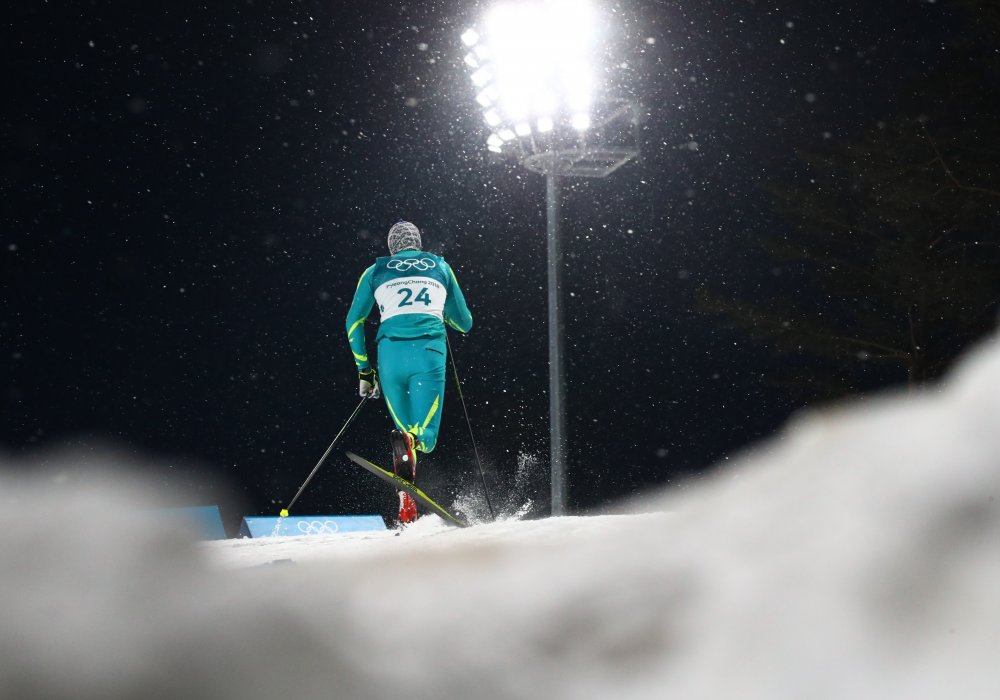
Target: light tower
{"x": 538, "y": 68}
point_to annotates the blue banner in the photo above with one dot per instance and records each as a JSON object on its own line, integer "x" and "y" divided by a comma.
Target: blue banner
{"x": 299, "y": 525}
{"x": 205, "y": 520}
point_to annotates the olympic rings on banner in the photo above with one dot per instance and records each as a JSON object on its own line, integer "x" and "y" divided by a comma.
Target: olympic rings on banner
{"x": 317, "y": 527}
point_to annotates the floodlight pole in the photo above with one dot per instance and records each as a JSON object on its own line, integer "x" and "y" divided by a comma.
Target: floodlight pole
{"x": 596, "y": 159}
{"x": 557, "y": 377}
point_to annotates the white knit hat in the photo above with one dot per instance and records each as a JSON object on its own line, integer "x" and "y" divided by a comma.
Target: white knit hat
{"x": 403, "y": 236}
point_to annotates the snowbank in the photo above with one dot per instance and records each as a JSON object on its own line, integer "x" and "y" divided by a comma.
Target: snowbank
{"x": 854, "y": 556}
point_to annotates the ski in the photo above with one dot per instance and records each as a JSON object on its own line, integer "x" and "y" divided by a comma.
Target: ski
{"x": 411, "y": 488}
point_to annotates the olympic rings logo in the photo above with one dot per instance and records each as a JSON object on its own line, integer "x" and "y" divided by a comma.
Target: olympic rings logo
{"x": 405, "y": 264}
{"x": 317, "y": 527}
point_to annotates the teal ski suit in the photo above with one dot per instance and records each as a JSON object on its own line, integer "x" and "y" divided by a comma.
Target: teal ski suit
{"x": 417, "y": 294}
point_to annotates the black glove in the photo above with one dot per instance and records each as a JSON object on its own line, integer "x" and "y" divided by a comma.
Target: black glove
{"x": 368, "y": 383}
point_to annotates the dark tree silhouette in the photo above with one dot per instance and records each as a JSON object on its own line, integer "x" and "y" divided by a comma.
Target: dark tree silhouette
{"x": 895, "y": 238}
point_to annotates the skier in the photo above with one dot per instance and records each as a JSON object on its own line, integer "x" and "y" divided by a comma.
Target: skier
{"x": 417, "y": 294}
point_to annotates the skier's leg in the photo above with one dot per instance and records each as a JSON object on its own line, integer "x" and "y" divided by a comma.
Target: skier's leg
{"x": 394, "y": 377}
{"x": 395, "y": 368}
{"x": 427, "y": 393}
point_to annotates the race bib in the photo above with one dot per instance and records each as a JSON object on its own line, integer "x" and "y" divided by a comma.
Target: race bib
{"x": 411, "y": 295}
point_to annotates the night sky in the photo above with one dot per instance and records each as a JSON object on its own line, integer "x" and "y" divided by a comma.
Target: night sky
{"x": 190, "y": 192}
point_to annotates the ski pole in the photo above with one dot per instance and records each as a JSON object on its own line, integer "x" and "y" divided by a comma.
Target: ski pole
{"x": 284, "y": 511}
{"x": 479, "y": 464}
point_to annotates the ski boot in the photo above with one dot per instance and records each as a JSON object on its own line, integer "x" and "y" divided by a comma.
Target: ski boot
{"x": 404, "y": 464}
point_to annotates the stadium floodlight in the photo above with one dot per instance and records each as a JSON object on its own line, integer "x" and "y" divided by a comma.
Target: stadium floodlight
{"x": 481, "y": 77}
{"x": 537, "y": 67}
{"x": 469, "y": 38}
{"x": 537, "y": 56}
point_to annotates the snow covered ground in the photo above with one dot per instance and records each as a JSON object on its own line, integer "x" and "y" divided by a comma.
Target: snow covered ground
{"x": 430, "y": 534}
{"x": 856, "y": 555}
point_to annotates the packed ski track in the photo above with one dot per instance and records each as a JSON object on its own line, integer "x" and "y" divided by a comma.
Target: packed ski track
{"x": 428, "y": 534}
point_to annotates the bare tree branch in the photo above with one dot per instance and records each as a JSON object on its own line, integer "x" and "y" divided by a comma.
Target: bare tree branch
{"x": 948, "y": 171}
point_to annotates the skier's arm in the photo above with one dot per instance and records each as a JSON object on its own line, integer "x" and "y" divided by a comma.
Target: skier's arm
{"x": 364, "y": 299}
{"x": 456, "y": 311}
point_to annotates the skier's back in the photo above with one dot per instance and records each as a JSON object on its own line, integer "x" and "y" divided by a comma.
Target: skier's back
{"x": 417, "y": 294}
